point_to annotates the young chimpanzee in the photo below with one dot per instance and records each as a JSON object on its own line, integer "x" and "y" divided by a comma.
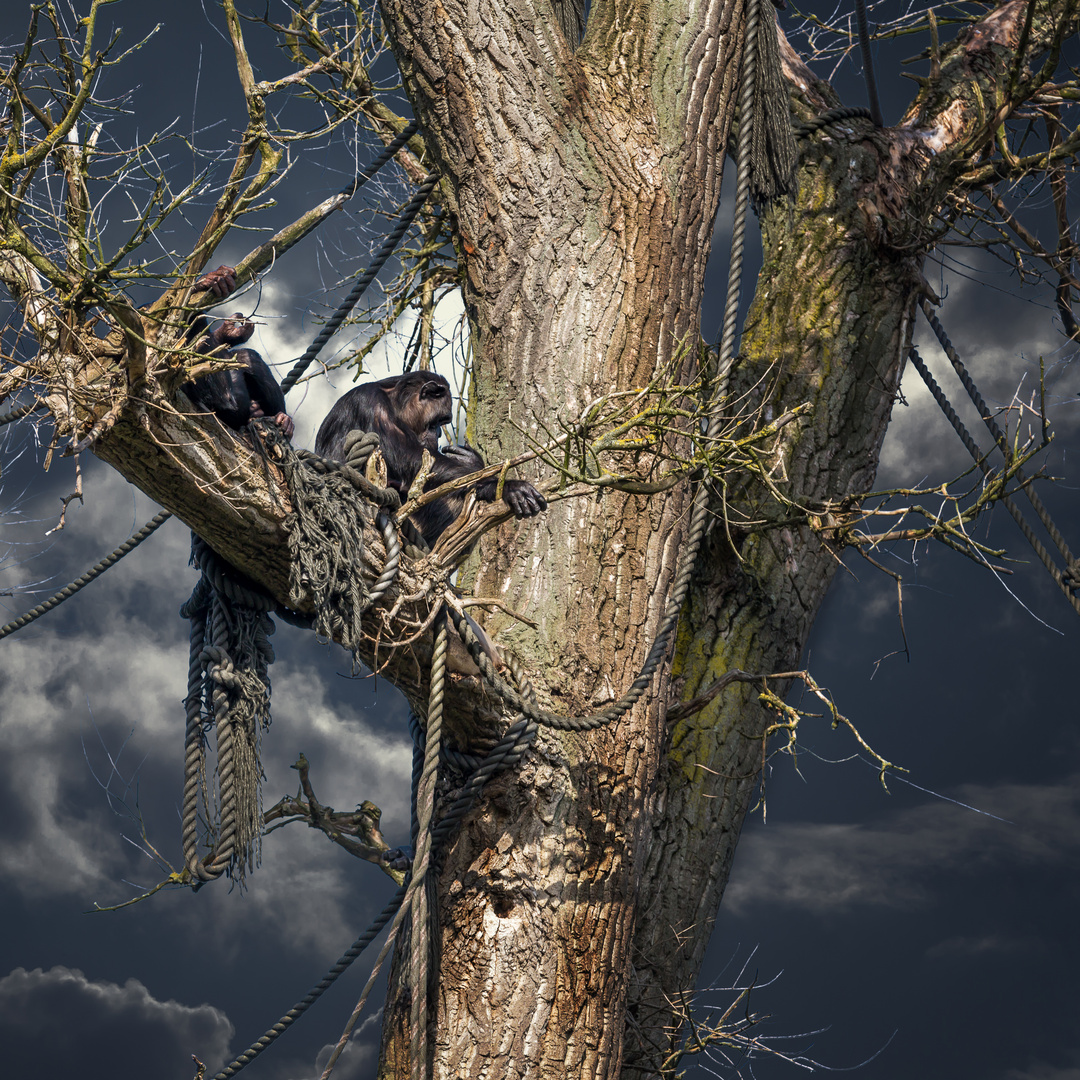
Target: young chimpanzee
{"x": 234, "y": 395}
{"x": 407, "y": 412}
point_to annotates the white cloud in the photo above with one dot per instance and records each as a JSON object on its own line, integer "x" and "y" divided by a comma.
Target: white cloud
{"x": 52, "y": 687}
{"x": 60, "y": 1023}
{"x": 992, "y": 944}
{"x": 64, "y": 840}
{"x": 282, "y": 338}
{"x": 831, "y": 867}
{"x": 1042, "y": 1070}
{"x": 1000, "y": 339}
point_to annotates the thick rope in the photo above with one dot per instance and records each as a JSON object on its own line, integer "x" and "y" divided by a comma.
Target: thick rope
{"x": 504, "y": 755}
{"x": 362, "y": 283}
{"x": 744, "y": 151}
{"x": 194, "y": 743}
{"x": 388, "y": 153}
{"x": 326, "y": 535}
{"x": 868, "y": 63}
{"x": 773, "y": 154}
{"x": 127, "y": 546}
{"x": 19, "y": 413}
{"x": 229, "y": 677}
{"x": 999, "y": 437}
{"x": 829, "y": 117}
{"x": 418, "y": 903}
{"x": 424, "y": 927}
{"x": 343, "y": 1041}
{"x": 965, "y": 437}
{"x": 507, "y": 753}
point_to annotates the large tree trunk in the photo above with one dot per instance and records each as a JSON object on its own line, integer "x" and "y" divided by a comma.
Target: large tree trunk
{"x": 576, "y": 901}
{"x": 830, "y": 325}
{"x": 584, "y": 187}
{"x": 583, "y": 249}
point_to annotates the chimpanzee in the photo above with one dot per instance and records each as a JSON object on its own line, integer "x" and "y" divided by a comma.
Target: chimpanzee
{"x": 234, "y": 395}
{"x": 408, "y": 412}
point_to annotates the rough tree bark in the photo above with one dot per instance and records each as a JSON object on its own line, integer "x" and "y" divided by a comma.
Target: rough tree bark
{"x": 830, "y": 324}
{"x": 577, "y": 900}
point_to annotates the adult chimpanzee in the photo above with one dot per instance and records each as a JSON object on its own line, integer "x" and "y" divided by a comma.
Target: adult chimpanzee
{"x": 408, "y": 412}
{"x": 234, "y": 395}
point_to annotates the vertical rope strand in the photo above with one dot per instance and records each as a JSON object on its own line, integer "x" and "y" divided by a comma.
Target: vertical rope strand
{"x": 420, "y": 910}
{"x": 742, "y": 202}
{"x": 868, "y": 63}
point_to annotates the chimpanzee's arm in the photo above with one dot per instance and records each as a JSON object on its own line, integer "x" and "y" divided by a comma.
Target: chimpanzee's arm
{"x": 519, "y": 495}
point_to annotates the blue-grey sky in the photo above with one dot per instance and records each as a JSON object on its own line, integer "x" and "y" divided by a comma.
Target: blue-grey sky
{"x": 934, "y": 923}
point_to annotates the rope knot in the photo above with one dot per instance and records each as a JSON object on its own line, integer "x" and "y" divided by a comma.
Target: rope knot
{"x": 359, "y": 446}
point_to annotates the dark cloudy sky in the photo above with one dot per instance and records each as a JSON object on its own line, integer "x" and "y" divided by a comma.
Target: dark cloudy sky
{"x": 933, "y": 926}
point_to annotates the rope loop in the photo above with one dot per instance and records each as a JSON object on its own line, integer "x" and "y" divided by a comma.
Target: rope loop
{"x": 359, "y": 446}
{"x": 830, "y": 117}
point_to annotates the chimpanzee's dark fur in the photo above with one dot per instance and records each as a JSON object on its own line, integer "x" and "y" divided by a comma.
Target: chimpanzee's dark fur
{"x": 407, "y": 412}
{"x": 235, "y": 395}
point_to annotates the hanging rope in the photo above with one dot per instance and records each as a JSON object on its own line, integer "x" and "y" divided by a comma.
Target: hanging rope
{"x": 422, "y": 909}
{"x": 999, "y": 437}
{"x": 868, "y": 63}
{"x": 366, "y": 278}
{"x": 326, "y": 534}
{"x": 130, "y": 544}
{"x": 228, "y": 688}
{"x": 773, "y": 155}
{"x": 738, "y": 230}
{"x": 1014, "y": 511}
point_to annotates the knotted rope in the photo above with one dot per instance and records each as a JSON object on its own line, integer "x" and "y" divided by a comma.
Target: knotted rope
{"x": 229, "y": 690}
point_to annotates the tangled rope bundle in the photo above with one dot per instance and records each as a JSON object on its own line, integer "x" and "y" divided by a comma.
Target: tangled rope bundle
{"x": 228, "y": 690}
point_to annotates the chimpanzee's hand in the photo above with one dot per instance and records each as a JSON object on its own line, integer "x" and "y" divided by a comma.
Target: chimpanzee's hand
{"x": 282, "y": 419}
{"x": 523, "y": 498}
{"x": 234, "y": 331}
{"x": 221, "y": 282}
